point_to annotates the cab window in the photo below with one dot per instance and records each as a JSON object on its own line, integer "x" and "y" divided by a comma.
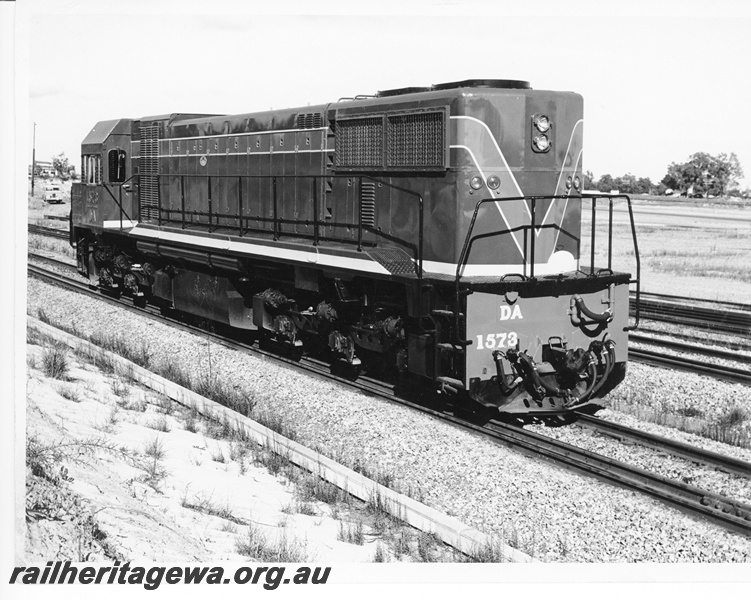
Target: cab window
{"x": 91, "y": 168}
{"x": 116, "y": 160}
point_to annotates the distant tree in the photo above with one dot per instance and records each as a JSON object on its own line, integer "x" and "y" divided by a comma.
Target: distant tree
{"x": 644, "y": 185}
{"x": 62, "y": 166}
{"x": 728, "y": 172}
{"x": 629, "y": 184}
{"x": 589, "y": 180}
{"x": 605, "y": 183}
{"x": 704, "y": 173}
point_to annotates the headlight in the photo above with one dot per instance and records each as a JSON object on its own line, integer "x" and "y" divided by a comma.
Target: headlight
{"x": 476, "y": 182}
{"x": 494, "y": 182}
{"x": 568, "y": 182}
{"x": 541, "y": 143}
{"x": 542, "y": 122}
{"x": 577, "y": 182}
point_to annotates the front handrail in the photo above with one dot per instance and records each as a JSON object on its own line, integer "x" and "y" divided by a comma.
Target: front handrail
{"x": 637, "y": 279}
{"x": 470, "y": 238}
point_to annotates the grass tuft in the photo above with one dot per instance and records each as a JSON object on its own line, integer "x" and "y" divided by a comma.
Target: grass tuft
{"x": 69, "y": 392}
{"x": 380, "y": 555}
{"x": 155, "y": 449}
{"x": 55, "y": 361}
{"x": 160, "y": 424}
{"x": 120, "y": 389}
{"x": 254, "y": 544}
{"x": 351, "y": 533}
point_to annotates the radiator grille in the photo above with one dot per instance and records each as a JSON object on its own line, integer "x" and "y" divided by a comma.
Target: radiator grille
{"x": 367, "y": 203}
{"x": 149, "y": 171}
{"x": 393, "y": 141}
{"x": 309, "y": 120}
{"x": 359, "y": 142}
{"x": 415, "y": 140}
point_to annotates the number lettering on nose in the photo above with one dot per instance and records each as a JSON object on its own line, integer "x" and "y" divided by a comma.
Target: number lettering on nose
{"x": 493, "y": 341}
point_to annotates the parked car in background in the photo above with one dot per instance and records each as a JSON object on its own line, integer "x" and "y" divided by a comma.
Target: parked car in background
{"x": 53, "y": 193}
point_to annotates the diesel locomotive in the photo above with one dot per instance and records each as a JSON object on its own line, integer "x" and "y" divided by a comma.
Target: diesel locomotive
{"x": 432, "y": 233}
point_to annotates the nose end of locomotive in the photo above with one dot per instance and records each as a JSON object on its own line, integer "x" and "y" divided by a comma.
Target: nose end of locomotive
{"x": 566, "y": 378}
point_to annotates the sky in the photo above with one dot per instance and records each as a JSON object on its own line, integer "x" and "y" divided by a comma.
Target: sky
{"x": 660, "y": 80}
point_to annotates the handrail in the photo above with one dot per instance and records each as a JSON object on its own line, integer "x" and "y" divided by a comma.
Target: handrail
{"x": 637, "y": 258}
{"x": 470, "y": 238}
{"x": 118, "y": 202}
{"x": 636, "y": 280}
{"x": 277, "y": 220}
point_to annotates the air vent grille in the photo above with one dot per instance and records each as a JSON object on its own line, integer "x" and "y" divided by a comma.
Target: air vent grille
{"x": 149, "y": 173}
{"x": 359, "y": 142}
{"x": 367, "y": 203}
{"x": 415, "y": 140}
{"x": 309, "y": 120}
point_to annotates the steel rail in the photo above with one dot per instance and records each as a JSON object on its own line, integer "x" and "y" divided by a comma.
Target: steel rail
{"x": 52, "y": 260}
{"x": 685, "y": 300}
{"x": 48, "y": 231}
{"x": 657, "y": 359}
{"x": 719, "y": 509}
{"x": 726, "y": 317}
{"x": 690, "y": 348}
{"x": 722, "y": 462}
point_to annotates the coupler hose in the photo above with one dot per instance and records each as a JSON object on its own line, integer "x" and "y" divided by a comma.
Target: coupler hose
{"x": 609, "y": 357}
{"x": 528, "y": 368}
{"x": 592, "y": 373}
{"x": 506, "y": 389}
{"x": 577, "y": 306}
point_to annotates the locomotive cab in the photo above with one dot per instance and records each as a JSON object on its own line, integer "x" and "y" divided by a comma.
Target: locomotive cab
{"x": 104, "y": 198}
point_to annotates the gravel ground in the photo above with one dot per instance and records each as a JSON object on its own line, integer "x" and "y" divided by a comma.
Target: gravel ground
{"x": 543, "y": 510}
{"x": 687, "y": 401}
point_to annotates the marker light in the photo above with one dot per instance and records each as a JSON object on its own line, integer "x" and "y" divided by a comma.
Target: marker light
{"x": 541, "y": 143}
{"x": 542, "y": 122}
{"x": 476, "y": 182}
{"x": 494, "y": 182}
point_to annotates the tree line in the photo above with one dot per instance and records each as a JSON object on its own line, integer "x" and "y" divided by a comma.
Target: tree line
{"x": 702, "y": 174}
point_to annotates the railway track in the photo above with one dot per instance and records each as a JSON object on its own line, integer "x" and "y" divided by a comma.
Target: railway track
{"x": 697, "y": 455}
{"x": 707, "y": 504}
{"x": 656, "y": 358}
{"x": 727, "y": 317}
{"x": 53, "y": 261}
{"x": 720, "y": 509}
{"x": 48, "y": 231}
